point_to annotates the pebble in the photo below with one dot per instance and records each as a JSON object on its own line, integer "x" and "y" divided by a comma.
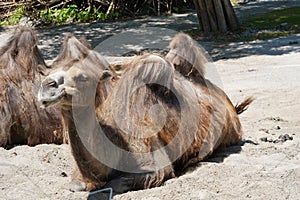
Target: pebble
{"x": 63, "y": 174}
{"x": 280, "y": 139}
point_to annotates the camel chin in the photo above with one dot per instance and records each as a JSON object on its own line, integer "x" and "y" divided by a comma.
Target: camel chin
{"x": 50, "y": 100}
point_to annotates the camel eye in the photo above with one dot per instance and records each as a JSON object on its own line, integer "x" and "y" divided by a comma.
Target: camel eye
{"x": 81, "y": 78}
{"x": 15, "y": 53}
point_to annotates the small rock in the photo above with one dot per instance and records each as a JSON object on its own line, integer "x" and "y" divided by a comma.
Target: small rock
{"x": 276, "y": 141}
{"x": 63, "y": 174}
{"x": 14, "y": 154}
{"x": 278, "y": 127}
{"x": 46, "y": 158}
{"x": 277, "y": 119}
{"x": 283, "y": 138}
{"x": 264, "y": 130}
{"x": 270, "y": 140}
{"x": 286, "y": 137}
{"x": 252, "y": 70}
{"x": 264, "y": 139}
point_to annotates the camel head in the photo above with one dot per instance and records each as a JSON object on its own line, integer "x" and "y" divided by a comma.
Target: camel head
{"x": 78, "y": 73}
{"x": 21, "y": 54}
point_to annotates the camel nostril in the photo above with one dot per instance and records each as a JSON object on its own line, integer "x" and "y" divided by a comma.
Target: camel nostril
{"x": 53, "y": 84}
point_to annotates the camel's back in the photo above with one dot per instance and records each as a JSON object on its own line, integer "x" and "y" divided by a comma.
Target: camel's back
{"x": 184, "y": 119}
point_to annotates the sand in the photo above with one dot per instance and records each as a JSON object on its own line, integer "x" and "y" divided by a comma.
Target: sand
{"x": 259, "y": 169}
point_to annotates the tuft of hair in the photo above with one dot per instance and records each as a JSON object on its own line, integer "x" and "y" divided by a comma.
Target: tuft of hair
{"x": 21, "y": 52}
{"x": 240, "y": 108}
{"x": 85, "y": 42}
{"x": 22, "y": 38}
{"x": 72, "y": 48}
{"x": 187, "y": 56}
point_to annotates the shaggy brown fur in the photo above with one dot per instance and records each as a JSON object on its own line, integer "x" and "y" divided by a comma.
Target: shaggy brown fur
{"x": 187, "y": 56}
{"x": 198, "y": 117}
{"x": 21, "y": 119}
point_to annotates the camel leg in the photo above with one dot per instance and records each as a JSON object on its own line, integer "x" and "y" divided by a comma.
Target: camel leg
{"x": 78, "y": 183}
{"x": 140, "y": 180}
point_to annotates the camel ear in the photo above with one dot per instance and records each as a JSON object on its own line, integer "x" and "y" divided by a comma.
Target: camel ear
{"x": 106, "y": 75}
{"x": 72, "y": 49}
{"x": 85, "y": 42}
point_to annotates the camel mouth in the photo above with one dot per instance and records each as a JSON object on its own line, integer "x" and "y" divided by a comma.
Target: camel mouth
{"x": 51, "y": 101}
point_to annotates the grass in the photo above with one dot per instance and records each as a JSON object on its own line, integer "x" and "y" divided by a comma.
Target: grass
{"x": 274, "y": 24}
{"x": 289, "y": 16}
{"x": 16, "y": 16}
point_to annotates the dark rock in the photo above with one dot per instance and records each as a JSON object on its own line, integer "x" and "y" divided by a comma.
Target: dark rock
{"x": 264, "y": 139}
{"x": 63, "y": 174}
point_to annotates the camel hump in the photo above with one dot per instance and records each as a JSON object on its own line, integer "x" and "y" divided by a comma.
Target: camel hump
{"x": 149, "y": 69}
{"x": 240, "y": 108}
{"x": 132, "y": 93}
{"x": 187, "y": 56}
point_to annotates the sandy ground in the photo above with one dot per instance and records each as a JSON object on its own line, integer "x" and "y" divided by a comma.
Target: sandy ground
{"x": 259, "y": 169}
{"x": 266, "y": 166}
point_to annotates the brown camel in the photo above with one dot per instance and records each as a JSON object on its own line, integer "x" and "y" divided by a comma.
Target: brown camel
{"x": 161, "y": 116}
{"x": 22, "y": 121}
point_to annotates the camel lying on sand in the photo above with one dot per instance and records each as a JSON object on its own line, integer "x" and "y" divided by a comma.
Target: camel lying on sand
{"x": 22, "y": 121}
{"x": 161, "y": 116}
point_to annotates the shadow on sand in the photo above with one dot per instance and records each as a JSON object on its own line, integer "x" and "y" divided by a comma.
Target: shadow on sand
{"x": 276, "y": 46}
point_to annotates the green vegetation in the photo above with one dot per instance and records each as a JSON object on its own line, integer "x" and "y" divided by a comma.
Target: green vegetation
{"x": 53, "y": 12}
{"x": 274, "y": 24}
{"x": 17, "y": 14}
{"x": 290, "y": 16}
{"x": 234, "y": 2}
{"x": 72, "y": 14}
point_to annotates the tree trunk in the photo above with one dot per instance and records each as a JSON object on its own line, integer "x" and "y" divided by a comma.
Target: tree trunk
{"x": 216, "y": 15}
{"x": 231, "y": 18}
{"x": 221, "y": 20}
{"x": 211, "y": 15}
{"x": 202, "y": 15}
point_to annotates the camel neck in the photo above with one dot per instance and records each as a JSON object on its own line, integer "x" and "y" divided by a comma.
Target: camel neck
{"x": 84, "y": 140}
{"x": 80, "y": 122}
